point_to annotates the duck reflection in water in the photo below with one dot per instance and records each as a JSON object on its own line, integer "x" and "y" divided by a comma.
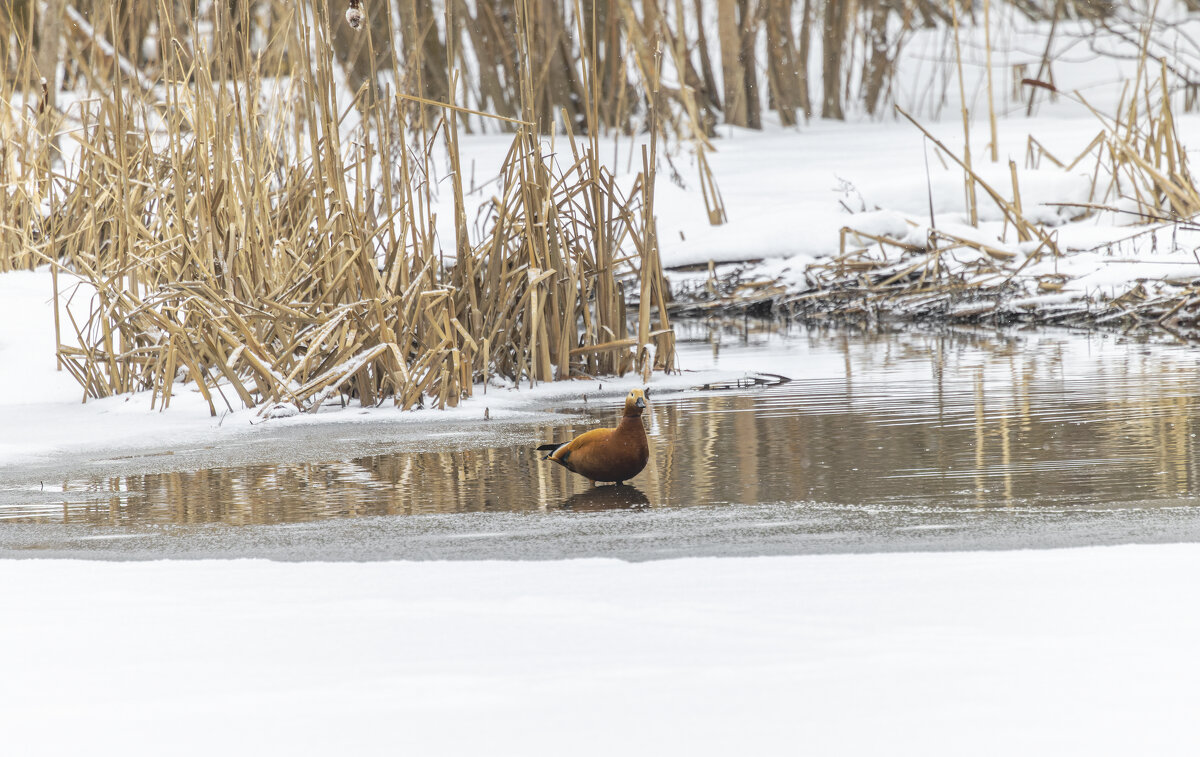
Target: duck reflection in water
{"x": 616, "y": 497}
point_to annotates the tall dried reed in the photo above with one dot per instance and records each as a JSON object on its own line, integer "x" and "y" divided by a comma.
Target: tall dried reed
{"x": 240, "y": 234}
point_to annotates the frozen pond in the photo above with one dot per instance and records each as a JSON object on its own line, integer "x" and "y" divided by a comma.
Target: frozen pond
{"x": 894, "y": 440}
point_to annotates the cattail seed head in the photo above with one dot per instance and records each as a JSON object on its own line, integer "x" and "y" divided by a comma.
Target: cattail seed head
{"x": 354, "y": 15}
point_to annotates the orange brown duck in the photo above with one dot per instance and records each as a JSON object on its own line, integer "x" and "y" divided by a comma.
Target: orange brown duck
{"x": 607, "y": 454}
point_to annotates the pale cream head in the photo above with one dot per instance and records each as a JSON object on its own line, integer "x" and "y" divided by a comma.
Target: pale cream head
{"x": 635, "y": 402}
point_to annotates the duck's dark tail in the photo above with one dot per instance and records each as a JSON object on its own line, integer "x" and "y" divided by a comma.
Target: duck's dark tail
{"x": 548, "y": 449}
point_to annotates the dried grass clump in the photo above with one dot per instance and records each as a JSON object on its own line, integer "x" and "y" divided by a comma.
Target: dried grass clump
{"x": 1139, "y": 169}
{"x": 248, "y": 239}
{"x": 1144, "y": 159}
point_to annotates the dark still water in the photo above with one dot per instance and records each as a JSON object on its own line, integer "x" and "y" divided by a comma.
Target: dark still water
{"x": 924, "y": 421}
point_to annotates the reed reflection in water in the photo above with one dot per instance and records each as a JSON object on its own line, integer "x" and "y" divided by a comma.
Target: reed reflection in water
{"x": 891, "y": 419}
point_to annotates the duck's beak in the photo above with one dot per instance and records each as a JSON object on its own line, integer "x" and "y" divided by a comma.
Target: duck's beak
{"x": 640, "y": 402}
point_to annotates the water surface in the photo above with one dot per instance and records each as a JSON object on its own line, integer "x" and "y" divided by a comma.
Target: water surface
{"x": 934, "y": 419}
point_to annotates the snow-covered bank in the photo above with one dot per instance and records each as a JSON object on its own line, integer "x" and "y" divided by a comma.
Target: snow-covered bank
{"x": 45, "y": 426}
{"x": 41, "y": 408}
{"x": 42, "y": 414}
{"x": 1054, "y": 652}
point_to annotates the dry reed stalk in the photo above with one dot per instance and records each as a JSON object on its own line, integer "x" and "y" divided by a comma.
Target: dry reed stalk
{"x": 968, "y": 178}
{"x": 1019, "y": 213}
{"x": 987, "y": 39}
{"x": 1007, "y": 207}
{"x": 1145, "y": 160}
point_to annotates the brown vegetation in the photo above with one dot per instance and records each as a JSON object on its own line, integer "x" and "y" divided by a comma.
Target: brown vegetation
{"x": 1135, "y": 160}
{"x": 248, "y": 240}
{"x": 251, "y": 240}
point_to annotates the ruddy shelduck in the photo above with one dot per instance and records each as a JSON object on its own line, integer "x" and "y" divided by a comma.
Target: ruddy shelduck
{"x": 608, "y": 454}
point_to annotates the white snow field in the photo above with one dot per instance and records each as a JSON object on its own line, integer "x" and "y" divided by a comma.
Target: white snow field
{"x": 1079, "y": 651}
{"x": 1055, "y": 652}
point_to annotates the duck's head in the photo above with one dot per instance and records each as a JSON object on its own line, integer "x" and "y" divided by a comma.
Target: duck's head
{"x": 635, "y": 402}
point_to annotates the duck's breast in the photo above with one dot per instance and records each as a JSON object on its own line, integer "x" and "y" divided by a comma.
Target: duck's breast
{"x": 620, "y": 455}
